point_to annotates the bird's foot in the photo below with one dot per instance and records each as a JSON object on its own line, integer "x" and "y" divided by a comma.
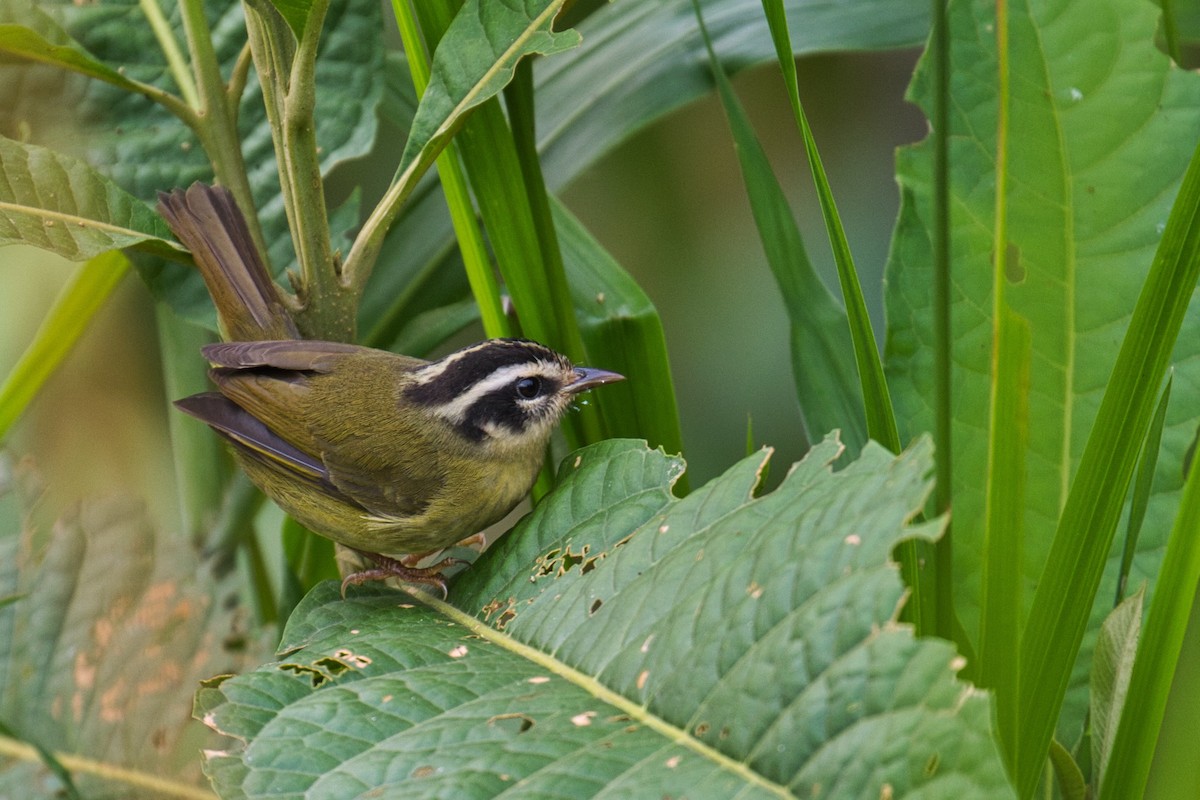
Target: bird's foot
{"x": 386, "y": 567}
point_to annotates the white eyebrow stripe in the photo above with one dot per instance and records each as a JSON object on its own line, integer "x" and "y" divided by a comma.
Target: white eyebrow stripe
{"x": 432, "y": 372}
{"x": 455, "y": 411}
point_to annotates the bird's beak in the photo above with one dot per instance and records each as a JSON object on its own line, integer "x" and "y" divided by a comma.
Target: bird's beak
{"x": 587, "y": 378}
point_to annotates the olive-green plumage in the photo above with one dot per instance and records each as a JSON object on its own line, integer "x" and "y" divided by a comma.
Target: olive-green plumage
{"x": 381, "y": 452}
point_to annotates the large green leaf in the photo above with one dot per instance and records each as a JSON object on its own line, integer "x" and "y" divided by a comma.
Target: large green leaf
{"x": 625, "y": 643}
{"x": 111, "y": 628}
{"x": 1088, "y": 196}
{"x": 28, "y": 32}
{"x": 60, "y": 204}
{"x": 640, "y": 61}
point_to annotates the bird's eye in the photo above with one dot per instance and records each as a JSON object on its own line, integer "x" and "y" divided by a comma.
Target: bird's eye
{"x": 529, "y": 388}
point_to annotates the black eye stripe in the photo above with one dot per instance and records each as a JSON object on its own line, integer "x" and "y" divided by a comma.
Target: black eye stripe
{"x": 475, "y": 364}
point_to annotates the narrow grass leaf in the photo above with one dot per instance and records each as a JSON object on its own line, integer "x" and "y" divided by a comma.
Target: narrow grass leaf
{"x": 826, "y": 384}
{"x": 480, "y": 275}
{"x": 1003, "y": 546}
{"x": 877, "y": 402}
{"x": 473, "y": 62}
{"x": 73, "y": 310}
{"x": 1158, "y": 652}
{"x": 1062, "y": 601}
{"x": 1142, "y": 484}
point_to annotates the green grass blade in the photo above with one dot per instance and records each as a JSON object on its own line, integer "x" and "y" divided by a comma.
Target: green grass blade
{"x": 945, "y": 621}
{"x": 202, "y": 466}
{"x": 1142, "y": 484}
{"x": 1157, "y": 653}
{"x": 78, "y": 302}
{"x": 472, "y": 64}
{"x": 826, "y": 384}
{"x": 881, "y": 418}
{"x": 1061, "y": 604}
{"x": 482, "y": 278}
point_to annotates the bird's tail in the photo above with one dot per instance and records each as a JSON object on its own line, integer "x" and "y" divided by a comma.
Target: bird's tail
{"x": 207, "y": 221}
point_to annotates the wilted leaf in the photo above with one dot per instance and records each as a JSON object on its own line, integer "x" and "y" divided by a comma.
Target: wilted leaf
{"x": 1111, "y": 667}
{"x": 112, "y": 630}
{"x": 635, "y": 644}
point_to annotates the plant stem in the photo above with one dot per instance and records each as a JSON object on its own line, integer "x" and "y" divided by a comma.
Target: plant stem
{"x": 215, "y": 124}
{"x": 170, "y": 49}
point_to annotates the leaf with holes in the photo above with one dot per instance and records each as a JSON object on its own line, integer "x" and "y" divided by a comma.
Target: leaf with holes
{"x": 623, "y": 641}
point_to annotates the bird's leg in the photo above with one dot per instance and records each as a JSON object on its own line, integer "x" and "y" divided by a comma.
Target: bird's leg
{"x": 391, "y": 568}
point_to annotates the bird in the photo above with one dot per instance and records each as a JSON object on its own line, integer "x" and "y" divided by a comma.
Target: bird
{"x": 384, "y": 453}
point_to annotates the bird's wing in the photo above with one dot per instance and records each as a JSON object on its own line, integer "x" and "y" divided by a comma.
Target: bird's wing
{"x": 253, "y": 437}
{"x": 289, "y": 388}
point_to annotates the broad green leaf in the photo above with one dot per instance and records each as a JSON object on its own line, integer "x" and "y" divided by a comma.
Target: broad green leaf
{"x": 145, "y": 149}
{"x": 1089, "y": 193}
{"x": 1112, "y": 665}
{"x": 73, "y": 309}
{"x": 28, "y": 32}
{"x": 100, "y": 655}
{"x": 475, "y": 60}
{"x": 640, "y": 61}
{"x": 60, "y": 204}
{"x": 621, "y": 642}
